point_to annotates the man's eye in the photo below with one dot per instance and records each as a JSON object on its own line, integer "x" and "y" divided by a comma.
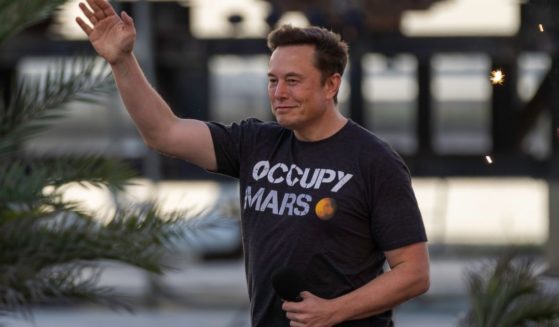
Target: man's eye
{"x": 292, "y": 81}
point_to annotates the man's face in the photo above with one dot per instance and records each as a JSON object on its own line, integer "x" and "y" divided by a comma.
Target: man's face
{"x": 297, "y": 95}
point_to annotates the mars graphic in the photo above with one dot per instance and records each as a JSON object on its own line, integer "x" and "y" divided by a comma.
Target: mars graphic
{"x": 325, "y": 209}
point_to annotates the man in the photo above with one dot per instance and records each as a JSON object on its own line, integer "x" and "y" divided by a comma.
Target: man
{"x": 319, "y": 194}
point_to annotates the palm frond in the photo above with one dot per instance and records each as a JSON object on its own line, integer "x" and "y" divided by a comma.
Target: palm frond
{"x": 24, "y": 182}
{"x": 36, "y": 102}
{"x": 512, "y": 280}
{"x": 537, "y": 309}
{"x": 59, "y": 284}
{"x": 36, "y": 253}
{"x": 16, "y": 15}
{"x": 508, "y": 292}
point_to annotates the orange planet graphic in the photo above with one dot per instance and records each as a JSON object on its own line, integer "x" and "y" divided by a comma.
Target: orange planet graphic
{"x": 326, "y": 208}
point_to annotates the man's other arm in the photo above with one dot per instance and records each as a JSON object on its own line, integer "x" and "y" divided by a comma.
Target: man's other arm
{"x": 408, "y": 277}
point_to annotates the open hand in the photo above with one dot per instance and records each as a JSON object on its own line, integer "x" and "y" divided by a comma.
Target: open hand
{"x": 112, "y": 35}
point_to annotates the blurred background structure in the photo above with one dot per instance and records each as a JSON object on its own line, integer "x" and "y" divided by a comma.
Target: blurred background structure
{"x": 484, "y": 154}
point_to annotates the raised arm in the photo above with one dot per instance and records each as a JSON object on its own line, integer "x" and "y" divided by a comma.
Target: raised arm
{"x": 113, "y": 38}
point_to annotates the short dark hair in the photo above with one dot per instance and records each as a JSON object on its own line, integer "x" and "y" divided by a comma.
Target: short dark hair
{"x": 331, "y": 52}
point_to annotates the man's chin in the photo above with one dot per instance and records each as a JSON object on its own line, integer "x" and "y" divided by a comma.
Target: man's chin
{"x": 285, "y": 123}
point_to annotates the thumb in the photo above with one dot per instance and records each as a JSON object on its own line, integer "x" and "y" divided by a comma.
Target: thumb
{"x": 125, "y": 18}
{"x": 305, "y": 294}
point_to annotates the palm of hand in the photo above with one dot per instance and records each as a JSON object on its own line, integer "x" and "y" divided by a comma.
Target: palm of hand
{"x": 112, "y": 38}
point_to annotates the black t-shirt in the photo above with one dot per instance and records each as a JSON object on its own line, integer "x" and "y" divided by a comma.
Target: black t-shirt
{"x": 328, "y": 209}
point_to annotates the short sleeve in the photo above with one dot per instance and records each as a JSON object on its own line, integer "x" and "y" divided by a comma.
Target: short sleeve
{"x": 396, "y": 219}
{"x": 227, "y": 140}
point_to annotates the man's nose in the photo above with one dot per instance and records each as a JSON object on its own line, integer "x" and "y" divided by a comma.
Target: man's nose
{"x": 281, "y": 90}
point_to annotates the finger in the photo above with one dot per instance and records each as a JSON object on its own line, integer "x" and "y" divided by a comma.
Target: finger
{"x": 88, "y": 13}
{"x": 293, "y": 317}
{"x": 107, "y": 9}
{"x": 126, "y": 19}
{"x": 97, "y": 11}
{"x": 290, "y": 307}
{"x": 86, "y": 28}
{"x": 305, "y": 294}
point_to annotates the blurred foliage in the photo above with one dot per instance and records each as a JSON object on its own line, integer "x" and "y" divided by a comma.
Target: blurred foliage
{"x": 35, "y": 101}
{"x": 49, "y": 246}
{"x": 510, "y": 292}
{"x": 16, "y": 15}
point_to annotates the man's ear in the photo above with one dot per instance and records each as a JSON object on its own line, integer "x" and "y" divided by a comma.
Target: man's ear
{"x": 332, "y": 85}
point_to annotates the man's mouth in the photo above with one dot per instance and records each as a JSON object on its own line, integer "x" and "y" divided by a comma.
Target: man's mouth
{"x": 284, "y": 107}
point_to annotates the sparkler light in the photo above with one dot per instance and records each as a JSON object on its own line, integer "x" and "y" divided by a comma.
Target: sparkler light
{"x": 497, "y": 77}
{"x": 489, "y": 159}
{"x": 541, "y": 27}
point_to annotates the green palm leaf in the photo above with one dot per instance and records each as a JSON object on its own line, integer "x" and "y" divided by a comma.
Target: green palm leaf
{"x": 540, "y": 310}
{"x": 43, "y": 258}
{"x": 16, "y": 15}
{"x": 508, "y": 293}
{"x": 35, "y": 103}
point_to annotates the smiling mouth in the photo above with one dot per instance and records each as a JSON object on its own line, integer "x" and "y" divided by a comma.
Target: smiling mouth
{"x": 284, "y": 107}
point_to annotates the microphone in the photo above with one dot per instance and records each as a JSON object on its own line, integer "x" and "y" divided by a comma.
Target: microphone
{"x": 288, "y": 283}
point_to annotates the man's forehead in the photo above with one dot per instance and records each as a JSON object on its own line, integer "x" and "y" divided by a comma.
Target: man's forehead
{"x": 291, "y": 55}
{"x": 294, "y": 49}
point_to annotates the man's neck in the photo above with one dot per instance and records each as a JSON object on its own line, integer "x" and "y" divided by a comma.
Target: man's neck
{"x": 328, "y": 126}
